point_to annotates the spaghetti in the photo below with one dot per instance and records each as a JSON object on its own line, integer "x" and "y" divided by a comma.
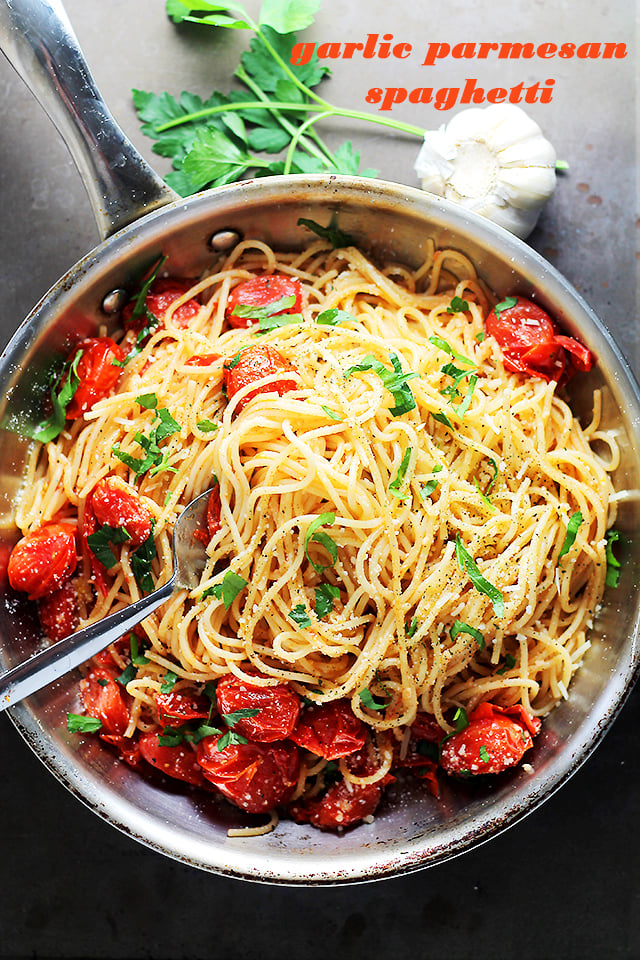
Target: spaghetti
{"x": 400, "y": 523}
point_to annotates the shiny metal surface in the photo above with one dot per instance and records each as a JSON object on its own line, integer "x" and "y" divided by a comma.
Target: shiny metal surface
{"x": 37, "y": 38}
{"x": 412, "y": 830}
{"x": 55, "y": 661}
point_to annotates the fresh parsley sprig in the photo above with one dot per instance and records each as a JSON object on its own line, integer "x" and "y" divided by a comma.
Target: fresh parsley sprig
{"x": 395, "y": 381}
{"x": 217, "y": 141}
{"x": 482, "y": 585}
{"x": 63, "y": 390}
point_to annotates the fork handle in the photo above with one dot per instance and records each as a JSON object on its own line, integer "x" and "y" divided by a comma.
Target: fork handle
{"x": 65, "y": 655}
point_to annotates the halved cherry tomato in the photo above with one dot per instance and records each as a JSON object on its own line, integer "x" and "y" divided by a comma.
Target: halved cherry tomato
{"x": 162, "y": 294}
{"x": 494, "y": 740}
{"x": 43, "y": 560}
{"x": 330, "y": 730}
{"x": 181, "y": 705}
{"x": 116, "y": 503}
{"x": 530, "y": 342}
{"x": 127, "y": 747}
{"x": 342, "y": 805}
{"x": 254, "y": 776}
{"x": 106, "y": 699}
{"x": 260, "y": 292}
{"x": 179, "y": 762}
{"x": 58, "y": 612}
{"x": 254, "y": 364}
{"x": 96, "y": 371}
{"x": 212, "y": 517}
{"x": 278, "y": 708}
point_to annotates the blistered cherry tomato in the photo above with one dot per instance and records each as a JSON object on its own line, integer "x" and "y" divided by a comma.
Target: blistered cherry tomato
{"x": 179, "y": 762}
{"x": 278, "y": 708}
{"x": 260, "y": 292}
{"x": 213, "y": 511}
{"x": 494, "y": 740}
{"x": 181, "y": 705}
{"x": 126, "y": 747}
{"x": 342, "y": 805}
{"x": 58, "y": 612}
{"x": 116, "y": 503}
{"x": 106, "y": 699}
{"x": 530, "y": 343}
{"x": 254, "y": 776}
{"x": 43, "y": 560}
{"x": 89, "y": 526}
{"x": 253, "y": 364}
{"x": 97, "y": 372}
{"x": 330, "y": 730}
{"x": 162, "y": 294}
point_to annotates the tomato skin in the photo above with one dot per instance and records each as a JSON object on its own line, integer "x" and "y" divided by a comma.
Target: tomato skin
{"x": 530, "y": 342}
{"x": 202, "y": 359}
{"x": 162, "y": 294}
{"x": 253, "y": 364}
{"x": 178, "y": 762}
{"x": 278, "y": 705}
{"x": 330, "y": 730}
{"x": 213, "y": 511}
{"x": 343, "y": 805}
{"x": 58, "y": 612}
{"x": 260, "y": 292}
{"x": 505, "y": 740}
{"x": 179, "y": 706}
{"x": 96, "y": 371}
{"x": 116, "y": 503}
{"x": 43, "y": 560}
{"x": 254, "y": 776}
{"x": 103, "y": 697}
{"x": 127, "y": 747}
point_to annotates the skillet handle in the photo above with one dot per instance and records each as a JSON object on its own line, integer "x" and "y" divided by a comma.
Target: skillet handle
{"x": 39, "y": 42}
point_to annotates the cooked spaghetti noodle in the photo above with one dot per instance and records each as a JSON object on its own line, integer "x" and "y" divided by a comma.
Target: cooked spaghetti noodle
{"x": 439, "y": 529}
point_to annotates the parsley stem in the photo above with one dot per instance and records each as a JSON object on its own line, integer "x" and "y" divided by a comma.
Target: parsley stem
{"x": 296, "y": 138}
{"x": 326, "y": 110}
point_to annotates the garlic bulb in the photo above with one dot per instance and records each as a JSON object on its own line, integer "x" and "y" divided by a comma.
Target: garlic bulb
{"x": 493, "y": 160}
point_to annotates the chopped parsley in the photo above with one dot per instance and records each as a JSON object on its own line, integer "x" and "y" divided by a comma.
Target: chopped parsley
{"x": 428, "y": 487}
{"x": 77, "y": 723}
{"x": 208, "y": 426}
{"x": 326, "y": 593}
{"x": 613, "y": 565}
{"x": 168, "y": 682}
{"x": 572, "y": 529}
{"x": 370, "y": 702}
{"x": 332, "y": 233}
{"x": 101, "y": 541}
{"x": 509, "y": 663}
{"x": 458, "y": 305}
{"x": 396, "y": 484}
{"x": 315, "y": 535}
{"x": 228, "y": 589}
{"x": 482, "y": 585}
{"x": 334, "y": 317}
{"x": 300, "y": 616}
{"x": 484, "y": 754}
{"x": 332, "y": 414}
{"x": 395, "y": 381}
{"x": 410, "y": 631}
{"x": 446, "y": 346}
{"x": 460, "y": 627}
{"x": 141, "y": 560}
{"x": 281, "y": 320}
{"x": 506, "y": 304}
{"x": 155, "y": 459}
{"x": 251, "y": 312}
{"x": 63, "y": 390}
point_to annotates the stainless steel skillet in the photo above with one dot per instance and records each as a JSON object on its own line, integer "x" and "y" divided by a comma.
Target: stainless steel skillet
{"x": 390, "y": 221}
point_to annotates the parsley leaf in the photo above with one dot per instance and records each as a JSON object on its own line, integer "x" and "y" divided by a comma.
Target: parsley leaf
{"x": 613, "y": 565}
{"x": 168, "y": 682}
{"x": 300, "y": 616}
{"x": 100, "y": 544}
{"x": 314, "y": 534}
{"x": 506, "y": 304}
{"x": 484, "y": 753}
{"x": 572, "y": 529}
{"x": 326, "y": 593}
{"x": 155, "y": 459}
{"x": 78, "y": 723}
{"x": 457, "y": 305}
{"x": 208, "y": 426}
{"x": 63, "y": 391}
{"x": 430, "y": 485}
{"x": 397, "y": 483}
{"x": 370, "y": 702}
{"x": 331, "y": 413}
{"x": 446, "y": 346}
{"x": 334, "y": 317}
{"x": 141, "y": 560}
{"x": 410, "y": 631}
{"x": 395, "y": 381}
{"x": 509, "y": 663}
{"x": 460, "y": 627}
{"x": 482, "y": 585}
{"x": 228, "y": 589}
{"x": 336, "y": 237}
{"x": 252, "y": 312}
